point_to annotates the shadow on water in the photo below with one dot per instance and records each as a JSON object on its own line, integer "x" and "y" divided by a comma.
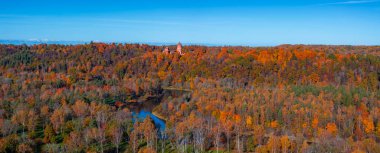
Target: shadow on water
{"x": 140, "y": 110}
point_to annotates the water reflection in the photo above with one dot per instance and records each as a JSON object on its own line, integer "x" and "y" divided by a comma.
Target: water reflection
{"x": 159, "y": 123}
{"x": 140, "y": 110}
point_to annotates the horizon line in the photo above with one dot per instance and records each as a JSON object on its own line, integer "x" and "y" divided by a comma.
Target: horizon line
{"x": 79, "y": 42}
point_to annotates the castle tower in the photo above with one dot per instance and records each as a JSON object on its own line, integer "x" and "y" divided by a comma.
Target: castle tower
{"x": 166, "y": 50}
{"x": 179, "y": 48}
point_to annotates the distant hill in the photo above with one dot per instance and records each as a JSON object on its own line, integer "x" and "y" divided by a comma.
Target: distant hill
{"x": 33, "y": 42}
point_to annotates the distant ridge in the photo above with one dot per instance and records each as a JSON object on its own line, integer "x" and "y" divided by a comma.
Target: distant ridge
{"x": 35, "y": 42}
{"x": 63, "y": 42}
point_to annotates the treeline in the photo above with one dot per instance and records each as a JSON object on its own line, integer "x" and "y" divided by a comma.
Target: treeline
{"x": 289, "y": 98}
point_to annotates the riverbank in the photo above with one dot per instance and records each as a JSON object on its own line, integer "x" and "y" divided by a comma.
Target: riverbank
{"x": 178, "y": 89}
{"x": 144, "y": 98}
{"x": 159, "y": 115}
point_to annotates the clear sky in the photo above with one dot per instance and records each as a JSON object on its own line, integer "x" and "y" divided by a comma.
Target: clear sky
{"x": 221, "y": 22}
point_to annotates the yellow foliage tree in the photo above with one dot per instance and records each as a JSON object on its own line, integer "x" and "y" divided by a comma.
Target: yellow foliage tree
{"x": 265, "y": 57}
{"x": 285, "y": 143}
{"x": 369, "y": 126}
{"x": 314, "y": 123}
{"x": 331, "y": 127}
{"x": 274, "y": 124}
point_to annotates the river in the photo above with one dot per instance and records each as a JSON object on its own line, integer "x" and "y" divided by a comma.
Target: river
{"x": 140, "y": 110}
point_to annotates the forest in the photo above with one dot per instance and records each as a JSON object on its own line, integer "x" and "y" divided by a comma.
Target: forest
{"x": 287, "y": 98}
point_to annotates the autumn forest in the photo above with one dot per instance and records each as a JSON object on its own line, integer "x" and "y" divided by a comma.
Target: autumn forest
{"x": 93, "y": 97}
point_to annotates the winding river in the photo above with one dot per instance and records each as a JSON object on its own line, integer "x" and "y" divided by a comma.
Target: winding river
{"x": 140, "y": 110}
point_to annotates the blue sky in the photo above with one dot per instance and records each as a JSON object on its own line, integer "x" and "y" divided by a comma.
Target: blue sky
{"x": 222, "y": 22}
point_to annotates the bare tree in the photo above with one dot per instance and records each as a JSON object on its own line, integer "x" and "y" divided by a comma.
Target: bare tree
{"x": 101, "y": 120}
{"x": 216, "y": 132}
{"x": 199, "y": 138}
{"x": 117, "y": 135}
{"x": 134, "y": 137}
